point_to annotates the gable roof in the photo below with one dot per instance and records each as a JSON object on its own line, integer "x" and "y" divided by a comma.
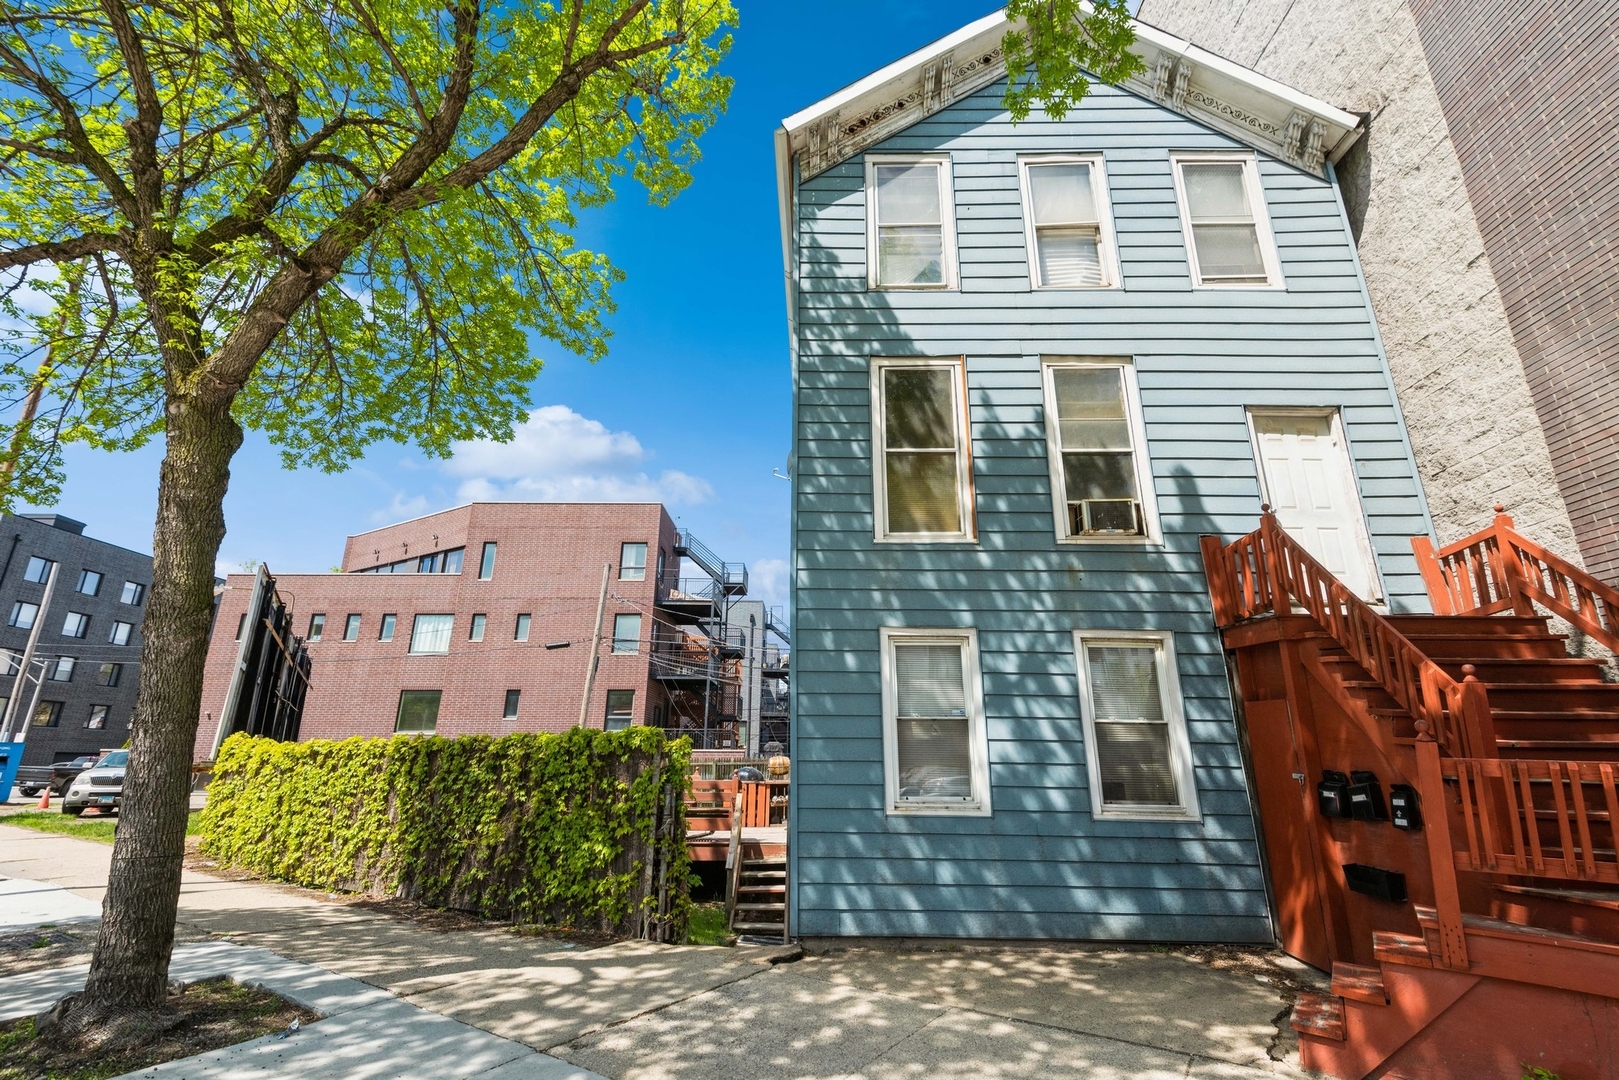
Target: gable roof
{"x": 1266, "y": 114}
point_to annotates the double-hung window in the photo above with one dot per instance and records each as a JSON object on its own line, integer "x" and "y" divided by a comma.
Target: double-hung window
{"x": 1136, "y": 748}
{"x": 626, "y": 633}
{"x": 935, "y": 753}
{"x": 632, "y": 562}
{"x": 1100, "y": 475}
{"x": 910, "y": 223}
{"x": 1228, "y": 235}
{"x": 922, "y": 475}
{"x": 1069, "y": 224}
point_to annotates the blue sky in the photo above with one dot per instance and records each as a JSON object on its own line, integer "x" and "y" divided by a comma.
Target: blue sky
{"x": 690, "y": 407}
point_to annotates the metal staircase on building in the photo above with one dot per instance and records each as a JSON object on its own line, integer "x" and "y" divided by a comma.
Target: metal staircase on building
{"x": 1512, "y": 747}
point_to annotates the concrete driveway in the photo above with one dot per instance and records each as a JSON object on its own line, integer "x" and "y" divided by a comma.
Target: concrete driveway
{"x": 637, "y": 1011}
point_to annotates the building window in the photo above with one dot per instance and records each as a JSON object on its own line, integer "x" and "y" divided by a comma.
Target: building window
{"x": 317, "y": 626}
{"x": 626, "y": 633}
{"x": 418, "y": 711}
{"x": 75, "y": 625}
{"x": 486, "y": 565}
{"x": 1096, "y": 447}
{"x": 479, "y": 622}
{"x": 23, "y": 615}
{"x": 134, "y": 592}
{"x": 386, "y": 632}
{"x": 923, "y": 473}
{"x": 120, "y": 633}
{"x": 910, "y": 228}
{"x": 451, "y": 563}
{"x": 98, "y": 718}
{"x": 241, "y": 625}
{"x": 89, "y": 582}
{"x": 47, "y": 714}
{"x": 1136, "y": 747}
{"x": 632, "y": 562}
{"x": 662, "y": 558}
{"x": 512, "y": 698}
{"x": 351, "y": 628}
{"x": 1228, "y": 236}
{"x": 109, "y": 674}
{"x": 11, "y": 661}
{"x": 62, "y": 670}
{"x": 620, "y": 709}
{"x": 38, "y": 570}
{"x": 935, "y": 753}
{"x": 1070, "y": 226}
{"x": 431, "y": 633}
{"x": 520, "y": 632}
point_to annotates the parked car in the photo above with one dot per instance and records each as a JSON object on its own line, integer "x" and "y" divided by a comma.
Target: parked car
{"x": 100, "y": 788}
{"x": 33, "y": 779}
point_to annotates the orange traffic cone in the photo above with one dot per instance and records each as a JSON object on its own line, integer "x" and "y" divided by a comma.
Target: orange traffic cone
{"x": 45, "y": 798}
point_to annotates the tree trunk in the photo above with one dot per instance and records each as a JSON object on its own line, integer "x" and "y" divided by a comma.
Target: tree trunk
{"x": 130, "y": 967}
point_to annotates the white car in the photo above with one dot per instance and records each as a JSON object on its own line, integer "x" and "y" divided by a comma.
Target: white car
{"x": 100, "y": 787}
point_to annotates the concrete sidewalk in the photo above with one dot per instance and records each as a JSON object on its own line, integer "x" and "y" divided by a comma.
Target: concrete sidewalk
{"x": 639, "y": 1011}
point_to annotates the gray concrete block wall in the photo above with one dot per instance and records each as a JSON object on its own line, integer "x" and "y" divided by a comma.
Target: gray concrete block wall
{"x": 1472, "y": 421}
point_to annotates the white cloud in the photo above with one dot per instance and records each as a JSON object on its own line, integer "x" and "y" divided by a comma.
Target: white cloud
{"x": 400, "y": 509}
{"x": 559, "y": 456}
{"x": 767, "y": 581}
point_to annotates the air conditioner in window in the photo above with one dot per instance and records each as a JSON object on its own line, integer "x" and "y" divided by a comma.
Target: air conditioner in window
{"x": 1106, "y": 517}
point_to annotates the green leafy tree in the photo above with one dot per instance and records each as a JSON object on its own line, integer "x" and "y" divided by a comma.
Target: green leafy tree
{"x": 330, "y": 221}
{"x": 1063, "y": 46}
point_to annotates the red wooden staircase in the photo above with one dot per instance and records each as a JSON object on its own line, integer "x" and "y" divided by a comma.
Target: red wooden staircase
{"x": 1486, "y": 935}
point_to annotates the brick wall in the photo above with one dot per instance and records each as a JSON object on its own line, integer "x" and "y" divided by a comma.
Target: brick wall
{"x": 1530, "y": 92}
{"x": 548, "y": 564}
{"x": 1468, "y": 405}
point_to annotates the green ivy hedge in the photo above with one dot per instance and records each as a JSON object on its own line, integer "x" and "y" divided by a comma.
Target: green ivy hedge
{"x": 583, "y": 828}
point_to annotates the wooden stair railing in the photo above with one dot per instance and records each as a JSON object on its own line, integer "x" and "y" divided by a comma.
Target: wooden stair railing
{"x": 1267, "y": 571}
{"x": 1499, "y": 569}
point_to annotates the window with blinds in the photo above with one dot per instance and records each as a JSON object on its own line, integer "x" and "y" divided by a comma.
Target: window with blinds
{"x": 922, "y": 477}
{"x": 1228, "y": 234}
{"x": 1069, "y": 238}
{"x": 1094, "y": 435}
{"x": 1140, "y": 761}
{"x": 911, "y": 232}
{"x": 933, "y": 728}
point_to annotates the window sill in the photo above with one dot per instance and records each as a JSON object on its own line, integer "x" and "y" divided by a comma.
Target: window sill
{"x": 912, "y": 288}
{"x": 1033, "y": 287}
{"x": 1228, "y": 286}
{"x": 926, "y": 538}
{"x": 1178, "y": 815}
{"x": 1116, "y": 541}
{"x": 939, "y": 810}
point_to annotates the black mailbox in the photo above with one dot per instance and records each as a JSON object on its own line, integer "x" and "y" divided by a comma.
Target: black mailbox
{"x": 1375, "y": 882}
{"x": 1403, "y": 807}
{"x": 1333, "y": 791}
{"x": 1366, "y": 797}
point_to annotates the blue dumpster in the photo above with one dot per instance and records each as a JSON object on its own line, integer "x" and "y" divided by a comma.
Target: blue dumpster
{"x": 10, "y": 759}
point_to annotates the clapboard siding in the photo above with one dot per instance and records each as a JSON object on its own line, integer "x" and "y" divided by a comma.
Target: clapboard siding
{"x": 1041, "y": 865}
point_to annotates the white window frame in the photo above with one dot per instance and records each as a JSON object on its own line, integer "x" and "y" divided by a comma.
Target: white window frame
{"x": 964, "y": 456}
{"x": 1180, "y": 750}
{"x": 977, "y": 732}
{"x": 1256, "y": 201}
{"x": 1107, "y": 252}
{"x": 1138, "y": 448}
{"x": 947, "y": 219}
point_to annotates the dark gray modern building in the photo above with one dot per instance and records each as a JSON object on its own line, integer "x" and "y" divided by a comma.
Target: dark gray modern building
{"x": 79, "y": 691}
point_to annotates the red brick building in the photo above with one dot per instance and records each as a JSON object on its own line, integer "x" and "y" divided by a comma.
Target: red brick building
{"x": 483, "y": 619}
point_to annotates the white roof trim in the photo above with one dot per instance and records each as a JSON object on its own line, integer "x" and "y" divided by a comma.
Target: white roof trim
{"x": 1210, "y": 89}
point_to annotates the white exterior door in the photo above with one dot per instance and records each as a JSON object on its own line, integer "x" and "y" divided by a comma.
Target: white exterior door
{"x": 1308, "y": 481}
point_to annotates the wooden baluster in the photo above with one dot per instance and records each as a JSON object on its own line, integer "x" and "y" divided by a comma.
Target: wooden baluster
{"x": 1554, "y": 770}
{"x": 1515, "y": 815}
{"x": 1487, "y": 808}
{"x": 1279, "y": 586}
{"x": 1441, "y": 853}
{"x": 1537, "y": 857}
{"x": 1215, "y": 568}
{"x": 1464, "y": 781}
{"x": 1610, "y": 795}
{"x": 1433, "y": 576}
{"x": 1582, "y": 820}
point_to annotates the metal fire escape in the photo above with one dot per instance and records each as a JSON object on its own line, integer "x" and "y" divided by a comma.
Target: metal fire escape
{"x": 695, "y": 653}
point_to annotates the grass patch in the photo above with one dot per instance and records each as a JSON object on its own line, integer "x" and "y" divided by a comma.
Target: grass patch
{"x": 213, "y": 1014}
{"x": 85, "y": 828}
{"x": 707, "y": 925}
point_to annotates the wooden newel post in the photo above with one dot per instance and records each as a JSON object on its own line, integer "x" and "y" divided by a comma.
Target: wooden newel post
{"x": 1441, "y": 854}
{"x": 1511, "y": 563}
{"x": 1433, "y": 576}
{"x": 1215, "y": 568}
{"x": 1476, "y": 718}
{"x": 1275, "y": 568}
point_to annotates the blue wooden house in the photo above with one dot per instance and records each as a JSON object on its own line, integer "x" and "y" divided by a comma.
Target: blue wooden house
{"x": 1031, "y": 365}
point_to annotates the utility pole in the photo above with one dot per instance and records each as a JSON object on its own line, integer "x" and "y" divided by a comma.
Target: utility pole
{"x": 28, "y": 655}
{"x": 595, "y": 647}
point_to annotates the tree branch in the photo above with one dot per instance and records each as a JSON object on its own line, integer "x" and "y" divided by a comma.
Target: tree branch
{"x": 61, "y": 250}
{"x": 147, "y": 123}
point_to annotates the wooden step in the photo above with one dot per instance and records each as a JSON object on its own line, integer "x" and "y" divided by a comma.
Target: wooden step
{"x": 1448, "y": 649}
{"x": 1319, "y": 1015}
{"x": 1413, "y": 626}
{"x": 772, "y": 890}
{"x": 778, "y": 908}
{"x": 1595, "y": 697}
{"x": 1498, "y": 670}
{"x": 757, "y": 927}
{"x": 1360, "y": 983}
